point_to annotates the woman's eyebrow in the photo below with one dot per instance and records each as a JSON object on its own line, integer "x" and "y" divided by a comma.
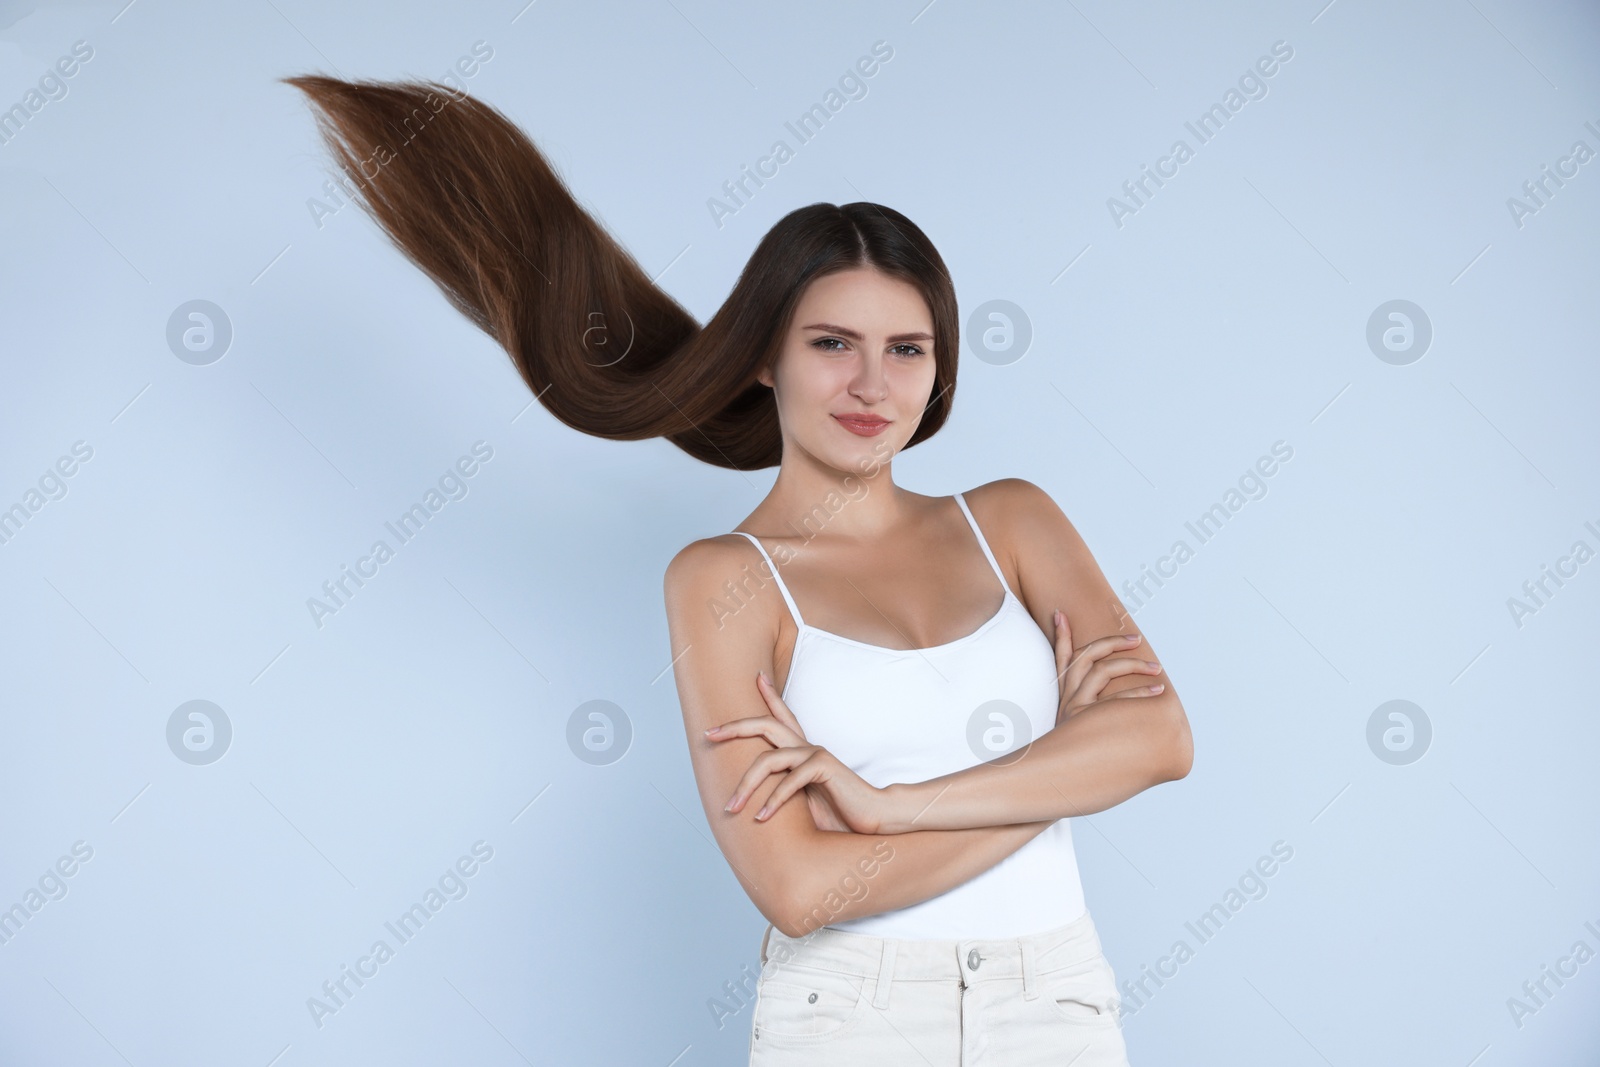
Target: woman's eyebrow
{"x": 855, "y": 336}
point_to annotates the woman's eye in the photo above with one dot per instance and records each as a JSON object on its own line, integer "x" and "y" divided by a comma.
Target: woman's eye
{"x": 905, "y": 348}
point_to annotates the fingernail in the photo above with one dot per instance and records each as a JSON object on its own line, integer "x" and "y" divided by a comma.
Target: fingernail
{"x": 1153, "y": 664}
{"x": 1131, "y": 638}
{"x": 1158, "y": 687}
{"x": 762, "y": 814}
{"x": 713, "y": 730}
{"x": 1057, "y": 617}
{"x": 728, "y": 806}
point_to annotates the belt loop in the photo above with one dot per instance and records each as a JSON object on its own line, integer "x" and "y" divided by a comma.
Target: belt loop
{"x": 880, "y": 999}
{"x": 1029, "y": 984}
{"x": 764, "y": 935}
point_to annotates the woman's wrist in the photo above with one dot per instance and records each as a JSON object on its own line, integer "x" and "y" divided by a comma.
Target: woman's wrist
{"x": 904, "y": 803}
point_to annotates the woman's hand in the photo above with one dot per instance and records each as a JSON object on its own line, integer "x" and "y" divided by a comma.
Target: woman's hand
{"x": 823, "y": 813}
{"x": 839, "y": 799}
{"x": 1085, "y": 672}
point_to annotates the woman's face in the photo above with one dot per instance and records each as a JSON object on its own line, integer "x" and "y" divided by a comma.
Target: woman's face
{"x": 861, "y": 344}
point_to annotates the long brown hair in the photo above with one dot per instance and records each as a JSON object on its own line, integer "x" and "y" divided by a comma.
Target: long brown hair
{"x": 471, "y": 201}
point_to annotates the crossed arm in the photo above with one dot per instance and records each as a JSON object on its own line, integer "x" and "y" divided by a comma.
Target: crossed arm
{"x": 1107, "y": 752}
{"x": 948, "y": 830}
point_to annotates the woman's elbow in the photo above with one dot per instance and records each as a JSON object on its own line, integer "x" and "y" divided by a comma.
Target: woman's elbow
{"x": 785, "y": 901}
{"x": 790, "y": 921}
{"x": 805, "y": 912}
{"x": 1177, "y": 749}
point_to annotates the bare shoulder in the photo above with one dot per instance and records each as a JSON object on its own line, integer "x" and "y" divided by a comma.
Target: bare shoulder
{"x": 1011, "y": 498}
{"x": 697, "y": 556}
{"x": 1023, "y": 517}
{"x": 700, "y": 568}
{"x": 1040, "y": 548}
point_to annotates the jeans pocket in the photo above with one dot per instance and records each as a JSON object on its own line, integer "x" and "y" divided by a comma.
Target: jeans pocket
{"x": 1084, "y": 994}
{"x": 796, "y": 1004}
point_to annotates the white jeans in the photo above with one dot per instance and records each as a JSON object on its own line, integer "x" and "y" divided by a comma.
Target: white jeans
{"x": 843, "y": 998}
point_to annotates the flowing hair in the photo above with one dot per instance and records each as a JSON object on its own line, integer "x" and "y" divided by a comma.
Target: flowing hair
{"x": 469, "y": 199}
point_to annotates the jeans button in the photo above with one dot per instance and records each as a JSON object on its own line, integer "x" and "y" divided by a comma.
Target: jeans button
{"x": 973, "y": 958}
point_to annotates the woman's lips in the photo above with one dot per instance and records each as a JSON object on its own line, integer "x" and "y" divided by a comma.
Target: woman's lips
{"x": 863, "y": 426}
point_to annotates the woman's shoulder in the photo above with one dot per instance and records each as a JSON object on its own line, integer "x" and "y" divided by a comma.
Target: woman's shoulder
{"x": 1023, "y": 521}
{"x": 1008, "y": 500}
{"x": 705, "y": 567}
{"x": 712, "y": 552}
{"x": 712, "y": 578}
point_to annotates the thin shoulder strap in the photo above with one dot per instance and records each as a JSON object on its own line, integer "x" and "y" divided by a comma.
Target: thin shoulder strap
{"x": 982, "y": 542}
{"x": 772, "y": 568}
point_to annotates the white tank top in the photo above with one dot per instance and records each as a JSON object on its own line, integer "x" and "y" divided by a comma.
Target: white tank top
{"x": 894, "y": 715}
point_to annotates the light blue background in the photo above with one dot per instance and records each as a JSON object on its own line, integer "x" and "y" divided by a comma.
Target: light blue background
{"x": 432, "y": 711}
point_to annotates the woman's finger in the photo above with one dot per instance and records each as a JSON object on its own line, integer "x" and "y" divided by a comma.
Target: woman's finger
{"x": 1140, "y": 691}
{"x": 763, "y": 767}
{"x": 779, "y": 709}
{"x": 1063, "y": 643}
{"x": 790, "y": 784}
{"x": 1101, "y": 673}
{"x": 1098, "y": 677}
{"x": 1100, "y": 648}
{"x": 1084, "y": 659}
{"x": 759, "y": 726}
{"x": 824, "y": 814}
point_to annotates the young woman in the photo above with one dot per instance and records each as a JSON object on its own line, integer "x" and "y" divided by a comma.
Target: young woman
{"x": 842, "y": 648}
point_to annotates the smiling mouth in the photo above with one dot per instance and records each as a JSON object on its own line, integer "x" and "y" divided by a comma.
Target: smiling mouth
{"x": 863, "y": 425}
